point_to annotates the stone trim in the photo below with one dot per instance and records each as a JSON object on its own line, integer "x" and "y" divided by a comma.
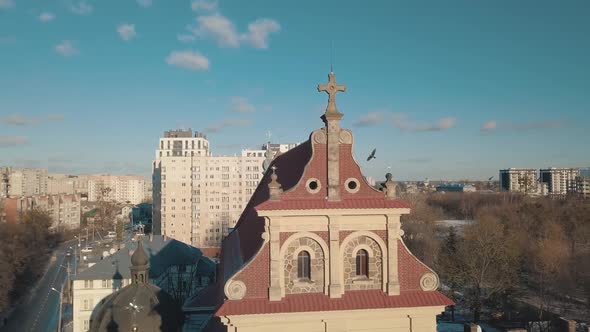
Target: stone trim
{"x": 355, "y": 190}
{"x": 316, "y": 190}
{"x": 378, "y": 261}
{"x": 322, "y": 256}
{"x": 309, "y": 250}
{"x": 363, "y": 246}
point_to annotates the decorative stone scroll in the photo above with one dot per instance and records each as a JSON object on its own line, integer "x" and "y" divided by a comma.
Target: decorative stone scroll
{"x": 319, "y": 137}
{"x": 345, "y": 136}
{"x": 235, "y": 290}
{"x": 429, "y": 282}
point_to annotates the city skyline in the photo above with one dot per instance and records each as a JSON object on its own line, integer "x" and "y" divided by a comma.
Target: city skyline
{"x": 439, "y": 91}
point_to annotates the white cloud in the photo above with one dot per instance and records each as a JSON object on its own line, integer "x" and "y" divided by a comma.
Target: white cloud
{"x": 6, "y": 141}
{"x": 25, "y": 120}
{"x": 5, "y": 4}
{"x": 127, "y": 31}
{"x": 401, "y": 122}
{"x": 219, "y": 28}
{"x": 81, "y": 8}
{"x": 66, "y": 48}
{"x": 204, "y": 5}
{"x": 188, "y": 59}
{"x": 46, "y": 17}
{"x": 185, "y": 38}
{"x": 19, "y": 120}
{"x": 489, "y": 125}
{"x": 241, "y": 105}
{"x": 369, "y": 119}
{"x": 144, "y": 3}
{"x": 55, "y": 116}
{"x": 224, "y": 32}
{"x": 259, "y": 31}
{"x": 217, "y": 127}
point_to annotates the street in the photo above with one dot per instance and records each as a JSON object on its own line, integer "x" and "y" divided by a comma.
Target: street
{"x": 39, "y": 311}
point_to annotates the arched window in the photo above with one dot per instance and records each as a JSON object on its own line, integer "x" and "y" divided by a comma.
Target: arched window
{"x": 362, "y": 263}
{"x": 303, "y": 265}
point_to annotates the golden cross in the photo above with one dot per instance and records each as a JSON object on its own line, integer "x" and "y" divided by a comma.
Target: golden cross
{"x": 331, "y": 89}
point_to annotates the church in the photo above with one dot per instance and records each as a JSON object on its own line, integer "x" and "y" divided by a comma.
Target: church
{"x": 319, "y": 249}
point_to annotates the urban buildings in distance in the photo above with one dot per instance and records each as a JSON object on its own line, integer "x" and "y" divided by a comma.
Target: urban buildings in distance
{"x": 17, "y": 182}
{"x": 198, "y": 197}
{"x": 64, "y": 209}
{"x": 551, "y": 181}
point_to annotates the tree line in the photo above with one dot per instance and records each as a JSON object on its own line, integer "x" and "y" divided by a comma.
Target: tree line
{"x": 508, "y": 247}
{"x": 24, "y": 252}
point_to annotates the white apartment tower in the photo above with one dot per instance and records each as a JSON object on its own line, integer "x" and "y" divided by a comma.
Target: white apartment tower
{"x": 197, "y": 197}
{"x": 560, "y": 181}
{"x": 15, "y": 182}
{"x": 523, "y": 180}
{"x": 118, "y": 188}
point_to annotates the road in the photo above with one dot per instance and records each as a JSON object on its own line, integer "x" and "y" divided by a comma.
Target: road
{"x": 39, "y": 311}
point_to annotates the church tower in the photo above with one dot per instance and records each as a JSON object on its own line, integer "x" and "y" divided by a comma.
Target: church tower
{"x": 317, "y": 248}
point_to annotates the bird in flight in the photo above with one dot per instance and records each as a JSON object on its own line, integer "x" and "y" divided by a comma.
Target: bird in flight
{"x": 372, "y": 155}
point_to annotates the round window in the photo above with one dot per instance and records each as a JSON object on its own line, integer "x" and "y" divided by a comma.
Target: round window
{"x": 352, "y": 185}
{"x": 313, "y": 185}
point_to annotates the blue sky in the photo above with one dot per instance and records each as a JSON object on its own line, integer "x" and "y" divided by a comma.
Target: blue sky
{"x": 442, "y": 89}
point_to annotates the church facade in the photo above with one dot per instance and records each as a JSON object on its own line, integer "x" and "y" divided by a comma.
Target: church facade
{"x": 319, "y": 249}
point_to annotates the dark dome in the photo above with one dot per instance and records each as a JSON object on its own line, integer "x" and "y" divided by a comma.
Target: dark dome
{"x": 139, "y": 257}
{"x": 139, "y": 305}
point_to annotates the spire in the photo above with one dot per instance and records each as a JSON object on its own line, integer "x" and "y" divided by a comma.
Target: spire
{"x": 274, "y": 186}
{"x": 332, "y": 121}
{"x": 139, "y": 264}
{"x": 331, "y": 88}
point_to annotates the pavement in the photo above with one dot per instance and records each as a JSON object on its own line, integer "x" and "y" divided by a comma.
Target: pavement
{"x": 38, "y": 312}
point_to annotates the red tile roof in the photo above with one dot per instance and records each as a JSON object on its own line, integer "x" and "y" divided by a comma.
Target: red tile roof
{"x": 351, "y": 300}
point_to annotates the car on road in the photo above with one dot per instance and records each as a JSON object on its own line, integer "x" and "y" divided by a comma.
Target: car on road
{"x": 69, "y": 253}
{"x": 86, "y": 249}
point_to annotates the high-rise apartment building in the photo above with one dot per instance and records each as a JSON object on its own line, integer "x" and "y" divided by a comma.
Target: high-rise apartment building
{"x": 523, "y": 180}
{"x": 197, "y": 197}
{"x": 119, "y": 188}
{"x": 560, "y": 181}
{"x": 16, "y": 182}
{"x": 63, "y": 209}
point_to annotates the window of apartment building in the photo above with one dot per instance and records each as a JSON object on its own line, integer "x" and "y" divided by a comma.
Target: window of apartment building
{"x": 86, "y": 325}
{"x": 106, "y": 283}
{"x": 88, "y": 304}
{"x": 87, "y": 283}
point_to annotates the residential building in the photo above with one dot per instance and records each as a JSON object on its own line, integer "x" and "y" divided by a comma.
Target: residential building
{"x": 522, "y": 180}
{"x": 177, "y": 268}
{"x": 118, "y": 188}
{"x": 198, "y": 197}
{"x": 560, "y": 181}
{"x": 317, "y": 248}
{"x": 64, "y": 209}
{"x": 15, "y": 182}
{"x": 581, "y": 186}
{"x": 60, "y": 184}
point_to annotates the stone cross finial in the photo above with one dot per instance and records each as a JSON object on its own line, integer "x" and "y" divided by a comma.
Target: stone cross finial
{"x": 390, "y": 187}
{"x": 331, "y": 89}
{"x": 274, "y": 187}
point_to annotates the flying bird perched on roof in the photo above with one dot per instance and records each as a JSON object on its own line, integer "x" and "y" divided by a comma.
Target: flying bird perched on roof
{"x": 372, "y": 155}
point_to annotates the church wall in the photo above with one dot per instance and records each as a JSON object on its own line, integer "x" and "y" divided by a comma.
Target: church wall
{"x": 375, "y": 277}
{"x": 256, "y": 275}
{"x": 292, "y": 284}
{"x": 420, "y": 319}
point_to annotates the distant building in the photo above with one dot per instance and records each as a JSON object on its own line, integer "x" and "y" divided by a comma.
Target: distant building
{"x": 118, "y": 188}
{"x": 521, "y": 180}
{"x": 177, "y": 268}
{"x": 581, "y": 186}
{"x": 560, "y": 181}
{"x": 456, "y": 187}
{"x": 197, "y": 197}
{"x": 16, "y": 182}
{"x": 63, "y": 209}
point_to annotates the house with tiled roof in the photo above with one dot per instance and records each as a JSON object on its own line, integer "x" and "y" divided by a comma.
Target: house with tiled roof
{"x": 317, "y": 248}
